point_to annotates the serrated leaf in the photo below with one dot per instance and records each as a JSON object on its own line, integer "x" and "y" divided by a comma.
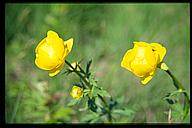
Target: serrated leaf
{"x": 97, "y": 91}
{"x": 93, "y": 82}
{"x": 86, "y": 92}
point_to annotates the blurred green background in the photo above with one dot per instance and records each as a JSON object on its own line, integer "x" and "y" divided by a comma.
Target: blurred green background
{"x": 102, "y": 32}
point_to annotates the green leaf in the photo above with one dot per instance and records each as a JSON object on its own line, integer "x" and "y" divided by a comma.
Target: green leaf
{"x": 112, "y": 104}
{"x": 73, "y": 102}
{"x": 86, "y": 92}
{"x": 83, "y": 109}
{"x": 67, "y": 72}
{"x": 91, "y": 105}
{"x": 171, "y": 97}
{"x": 97, "y": 91}
{"x": 88, "y": 68}
{"x": 177, "y": 92}
{"x": 95, "y": 119}
{"x": 177, "y": 112}
{"x": 93, "y": 82}
{"x": 170, "y": 100}
{"x": 178, "y": 107}
{"x": 89, "y": 117}
{"x": 176, "y": 116}
{"x": 125, "y": 112}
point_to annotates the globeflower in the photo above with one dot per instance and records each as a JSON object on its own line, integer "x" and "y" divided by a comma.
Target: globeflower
{"x": 76, "y": 92}
{"x": 51, "y": 53}
{"x": 143, "y": 59}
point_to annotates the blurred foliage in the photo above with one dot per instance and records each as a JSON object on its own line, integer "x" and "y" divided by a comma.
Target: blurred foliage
{"x": 103, "y": 33}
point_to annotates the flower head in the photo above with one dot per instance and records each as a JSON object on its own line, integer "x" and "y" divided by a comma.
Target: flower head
{"x": 143, "y": 59}
{"x": 51, "y": 53}
{"x": 76, "y": 92}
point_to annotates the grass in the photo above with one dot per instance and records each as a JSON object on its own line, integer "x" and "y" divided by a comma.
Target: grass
{"x": 102, "y": 32}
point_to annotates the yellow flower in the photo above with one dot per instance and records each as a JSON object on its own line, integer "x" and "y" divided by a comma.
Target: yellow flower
{"x": 76, "y": 92}
{"x": 51, "y": 53}
{"x": 143, "y": 59}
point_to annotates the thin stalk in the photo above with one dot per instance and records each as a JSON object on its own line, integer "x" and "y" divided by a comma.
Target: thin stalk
{"x": 88, "y": 85}
{"x": 81, "y": 69}
{"x": 79, "y": 74}
{"x": 109, "y": 111}
{"x": 179, "y": 86}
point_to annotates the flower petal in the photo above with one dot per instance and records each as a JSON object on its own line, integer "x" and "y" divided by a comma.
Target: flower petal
{"x": 76, "y": 92}
{"x": 69, "y": 44}
{"x": 159, "y": 49}
{"x": 43, "y": 56}
{"x": 127, "y": 58}
{"x": 52, "y": 34}
{"x": 146, "y": 79}
{"x": 55, "y": 71}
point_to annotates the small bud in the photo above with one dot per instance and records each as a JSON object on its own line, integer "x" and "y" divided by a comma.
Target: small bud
{"x": 76, "y": 92}
{"x": 180, "y": 90}
{"x": 75, "y": 65}
{"x": 164, "y": 66}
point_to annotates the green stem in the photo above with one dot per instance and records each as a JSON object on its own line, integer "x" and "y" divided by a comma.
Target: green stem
{"x": 179, "y": 86}
{"x": 79, "y": 74}
{"x": 81, "y": 69}
{"x": 88, "y": 85}
{"x": 109, "y": 111}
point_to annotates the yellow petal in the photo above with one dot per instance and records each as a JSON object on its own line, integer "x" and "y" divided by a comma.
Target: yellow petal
{"x": 44, "y": 53}
{"x": 56, "y": 43}
{"x": 55, "y": 71}
{"x": 69, "y": 44}
{"x": 42, "y": 41}
{"x": 52, "y": 34}
{"x": 76, "y": 92}
{"x": 51, "y": 53}
{"x": 127, "y": 58}
{"x": 159, "y": 49}
{"x": 144, "y": 61}
{"x": 146, "y": 79}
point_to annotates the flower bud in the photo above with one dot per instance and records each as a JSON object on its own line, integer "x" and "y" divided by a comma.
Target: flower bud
{"x": 76, "y": 92}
